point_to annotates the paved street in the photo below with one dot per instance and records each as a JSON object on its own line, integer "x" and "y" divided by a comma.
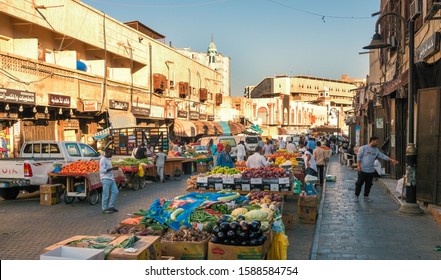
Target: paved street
{"x": 370, "y": 230}
{"x": 345, "y": 230}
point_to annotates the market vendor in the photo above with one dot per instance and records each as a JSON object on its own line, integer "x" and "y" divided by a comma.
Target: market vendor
{"x": 224, "y": 158}
{"x": 257, "y": 159}
{"x": 149, "y": 150}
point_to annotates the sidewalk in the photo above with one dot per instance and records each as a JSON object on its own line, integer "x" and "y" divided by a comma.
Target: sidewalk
{"x": 375, "y": 230}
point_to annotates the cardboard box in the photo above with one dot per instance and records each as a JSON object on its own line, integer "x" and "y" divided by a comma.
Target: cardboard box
{"x": 49, "y": 198}
{"x": 146, "y": 248}
{"x": 229, "y": 252}
{"x": 81, "y": 241}
{"x": 182, "y": 250}
{"x": 308, "y": 201}
{"x": 50, "y": 188}
{"x": 167, "y": 258}
{"x": 73, "y": 253}
{"x": 288, "y": 221}
{"x": 307, "y": 215}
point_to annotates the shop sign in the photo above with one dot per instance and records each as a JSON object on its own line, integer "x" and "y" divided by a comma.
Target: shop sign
{"x": 140, "y": 111}
{"x": 428, "y": 47}
{"x": 182, "y": 114}
{"x": 210, "y": 118}
{"x": 59, "y": 100}
{"x": 8, "y": 116}
{"x": 17, "y": 96}
{"x": 194, "y": 115}
{"x": 118, "y": 105}
{"x": 42, "y": 116}
{"x": 202, "y": 116}
{"x": 90, "y": 105}
{"x": 71, "y": 124}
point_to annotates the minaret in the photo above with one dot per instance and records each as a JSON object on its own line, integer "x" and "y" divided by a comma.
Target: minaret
{"x": 212, "y": 53}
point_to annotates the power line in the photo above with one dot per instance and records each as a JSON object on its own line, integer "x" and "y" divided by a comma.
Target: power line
{"x": 323, "y": 17}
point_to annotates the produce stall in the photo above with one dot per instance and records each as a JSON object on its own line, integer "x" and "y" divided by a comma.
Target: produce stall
{"x": 173, "y": 167}
{"x": 134, "y": 176}
{"x": 81, "y": 180}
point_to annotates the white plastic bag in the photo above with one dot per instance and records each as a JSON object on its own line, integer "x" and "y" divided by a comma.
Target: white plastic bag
{"x": 311, "y": 179}
{"x": 400, "y": 186}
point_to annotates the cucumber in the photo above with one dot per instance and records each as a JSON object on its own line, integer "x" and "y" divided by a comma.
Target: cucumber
{"x": 230, "y": 197}
{"x": 176, "y": 213}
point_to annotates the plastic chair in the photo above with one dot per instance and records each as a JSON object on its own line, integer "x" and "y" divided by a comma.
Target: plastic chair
{"x": 349, "y": 159}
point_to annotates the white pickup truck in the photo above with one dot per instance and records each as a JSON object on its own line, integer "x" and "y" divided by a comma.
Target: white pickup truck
{"x": 36, "y": 160}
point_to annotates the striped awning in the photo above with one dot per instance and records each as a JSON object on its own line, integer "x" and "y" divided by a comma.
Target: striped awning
{"x": 201, "y": 128}
{"x": 217, "y": 128}
{"x": 121, "y": 119}
{"x": 184, "y": 128}
{"x": 236, "y": 128}
{"x": 225, "y": 128}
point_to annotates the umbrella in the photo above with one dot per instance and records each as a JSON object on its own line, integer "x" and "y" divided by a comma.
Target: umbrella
{"x": 3, "y": 150}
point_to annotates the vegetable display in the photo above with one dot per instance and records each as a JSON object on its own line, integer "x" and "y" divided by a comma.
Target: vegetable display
{"x": 265, "y": 172}
{"x": 186, "y": 234}
{"x": 223, "y": 170}
{"x": 238, "y": 233}
{"x": 131, "y": 162}
{"x": 81, "y": 166}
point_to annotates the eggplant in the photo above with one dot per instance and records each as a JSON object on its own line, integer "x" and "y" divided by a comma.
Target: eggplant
{"x": 244, "y": 243}
{"x": 216, "y": 229}
{"x": 225, "y": 227}
{"x": 254, "y": 242}
{"x": 254, "y": 226}
{"x": 244, "y": 227}
{"x": 243, "y": 236}
{"x": 261, "y": 240}
{"x": 234, "y": 225}
{"x": 259, "y": 233}
{"x": 240, "y": 218}
{"x": 227, "y": 218}
{"x": 221, "y": 235}
{"x": 252, "y": 235}
{"x": 234, "y": 242}
{"x": 220, "y": 221}
{"x": 226, "y": 242}
{"x": 231, "y": 234}
{"x": 215, "y": 239}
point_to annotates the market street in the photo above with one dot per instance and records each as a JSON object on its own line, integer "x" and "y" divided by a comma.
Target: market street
{"x": 376, "y": 230}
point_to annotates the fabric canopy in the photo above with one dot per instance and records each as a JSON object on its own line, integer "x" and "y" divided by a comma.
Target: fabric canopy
{"x": 204, "y": 128}
{"x": 225, "y": 128}
{"x": 184, "y": 128}
{"x": 217, "y": 128}
{"x": 326, "y": 128}
{"x": 121, "y": 119}
{"x": 236, "y": 128}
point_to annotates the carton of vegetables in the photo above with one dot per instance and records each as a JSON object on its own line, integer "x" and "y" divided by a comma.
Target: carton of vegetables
{"x": 185, "y": 244}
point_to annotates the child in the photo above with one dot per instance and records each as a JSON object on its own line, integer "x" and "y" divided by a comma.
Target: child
{"x": 160, "y": 161}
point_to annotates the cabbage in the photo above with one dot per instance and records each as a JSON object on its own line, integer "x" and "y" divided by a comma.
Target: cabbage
{"x": 258, "y": 215}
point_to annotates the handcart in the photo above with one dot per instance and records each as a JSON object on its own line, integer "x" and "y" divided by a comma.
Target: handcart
{"x": 132, "y": 178}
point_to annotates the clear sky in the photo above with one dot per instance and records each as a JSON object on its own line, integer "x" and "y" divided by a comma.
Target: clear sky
{"x": 263, "y": 38}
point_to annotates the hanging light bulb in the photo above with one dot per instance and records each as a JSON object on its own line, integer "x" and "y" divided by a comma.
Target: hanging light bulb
{"x": 60, "y": 111}
{"x": 20, "y": 109}
{"x": 46, "y": 110}
{"x": 34, "y": 110}
{"x": 7, "y": 107}
{"x": 71, "y": 112}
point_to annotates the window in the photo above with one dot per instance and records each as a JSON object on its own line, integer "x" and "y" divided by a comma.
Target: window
{"x": 251, "y": 140}
{"x": 87, "y": 151}
{"x": 73, "y": 150}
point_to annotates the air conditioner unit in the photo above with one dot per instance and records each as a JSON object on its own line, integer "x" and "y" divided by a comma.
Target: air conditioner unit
{"x": 415, "y": 9}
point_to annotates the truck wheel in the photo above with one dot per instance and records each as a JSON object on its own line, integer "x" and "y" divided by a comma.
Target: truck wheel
{"x": 9, "y": 194}
{"x": 94, "y": 197}
{"x": 68, "y": 199}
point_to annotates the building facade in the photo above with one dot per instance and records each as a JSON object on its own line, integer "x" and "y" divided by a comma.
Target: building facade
{"x": 65, "y": 81}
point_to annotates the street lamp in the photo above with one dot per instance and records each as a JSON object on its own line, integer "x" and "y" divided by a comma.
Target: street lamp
{"x": 410, "y": 207}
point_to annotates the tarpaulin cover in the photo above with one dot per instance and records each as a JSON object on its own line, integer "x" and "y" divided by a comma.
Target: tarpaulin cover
{"x": 162, "y": 209}
{"x": 225, "y": 128}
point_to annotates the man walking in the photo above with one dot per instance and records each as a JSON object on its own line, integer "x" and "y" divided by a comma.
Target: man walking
{"x": 365, "y": 166}
{"x": 108, "y": 181}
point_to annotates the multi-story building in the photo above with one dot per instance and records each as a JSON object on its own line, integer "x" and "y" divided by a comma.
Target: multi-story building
{"x": 299, "y": 102}
{"x": 68, "y": 70}
{"x": 405, "y": 27}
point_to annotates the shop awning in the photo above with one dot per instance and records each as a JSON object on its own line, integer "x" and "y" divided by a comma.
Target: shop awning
{"x": 236, "y": 128}
{"x": 201, "y": 128}
{"x": 326, "y": 129}
{"x": 121, "y": 119}
{"x": 217, "y": 128}
{"x": 102, "y": 134}
{"x": 184, "y": 128}
{"x": 225, "y": 128}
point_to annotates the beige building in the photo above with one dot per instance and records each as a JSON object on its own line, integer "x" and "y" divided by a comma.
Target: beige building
{"x": 68, "y": 70}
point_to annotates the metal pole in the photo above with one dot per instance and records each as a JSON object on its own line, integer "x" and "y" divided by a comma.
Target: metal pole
{"x": 411, "y": 207}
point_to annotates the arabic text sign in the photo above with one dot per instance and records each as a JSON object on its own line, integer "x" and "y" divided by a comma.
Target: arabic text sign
{"x": 17, "y": 96}
{"x": 59, "y": 100}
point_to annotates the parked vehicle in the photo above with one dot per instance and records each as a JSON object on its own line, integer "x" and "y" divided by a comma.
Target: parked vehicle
{"x": 249, "y": 140}
{"x": 223, "y": 139}
{"x": 35, "y": 161}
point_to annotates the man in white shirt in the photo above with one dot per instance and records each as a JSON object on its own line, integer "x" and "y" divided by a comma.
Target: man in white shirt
{"x": 160, "y": 162}
{"x": 241, "y": 152}
{"x": 110, "y": 189}
{"x": 282, "y": 144}
{"x": 257, "y": 159}
{"x": 291, "y": 147}
{"x": 268, "y": 148}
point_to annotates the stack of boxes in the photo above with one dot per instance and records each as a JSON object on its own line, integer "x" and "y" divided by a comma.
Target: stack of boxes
{"x": 50, "y": 194}
{"x": 307, "y": 209}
